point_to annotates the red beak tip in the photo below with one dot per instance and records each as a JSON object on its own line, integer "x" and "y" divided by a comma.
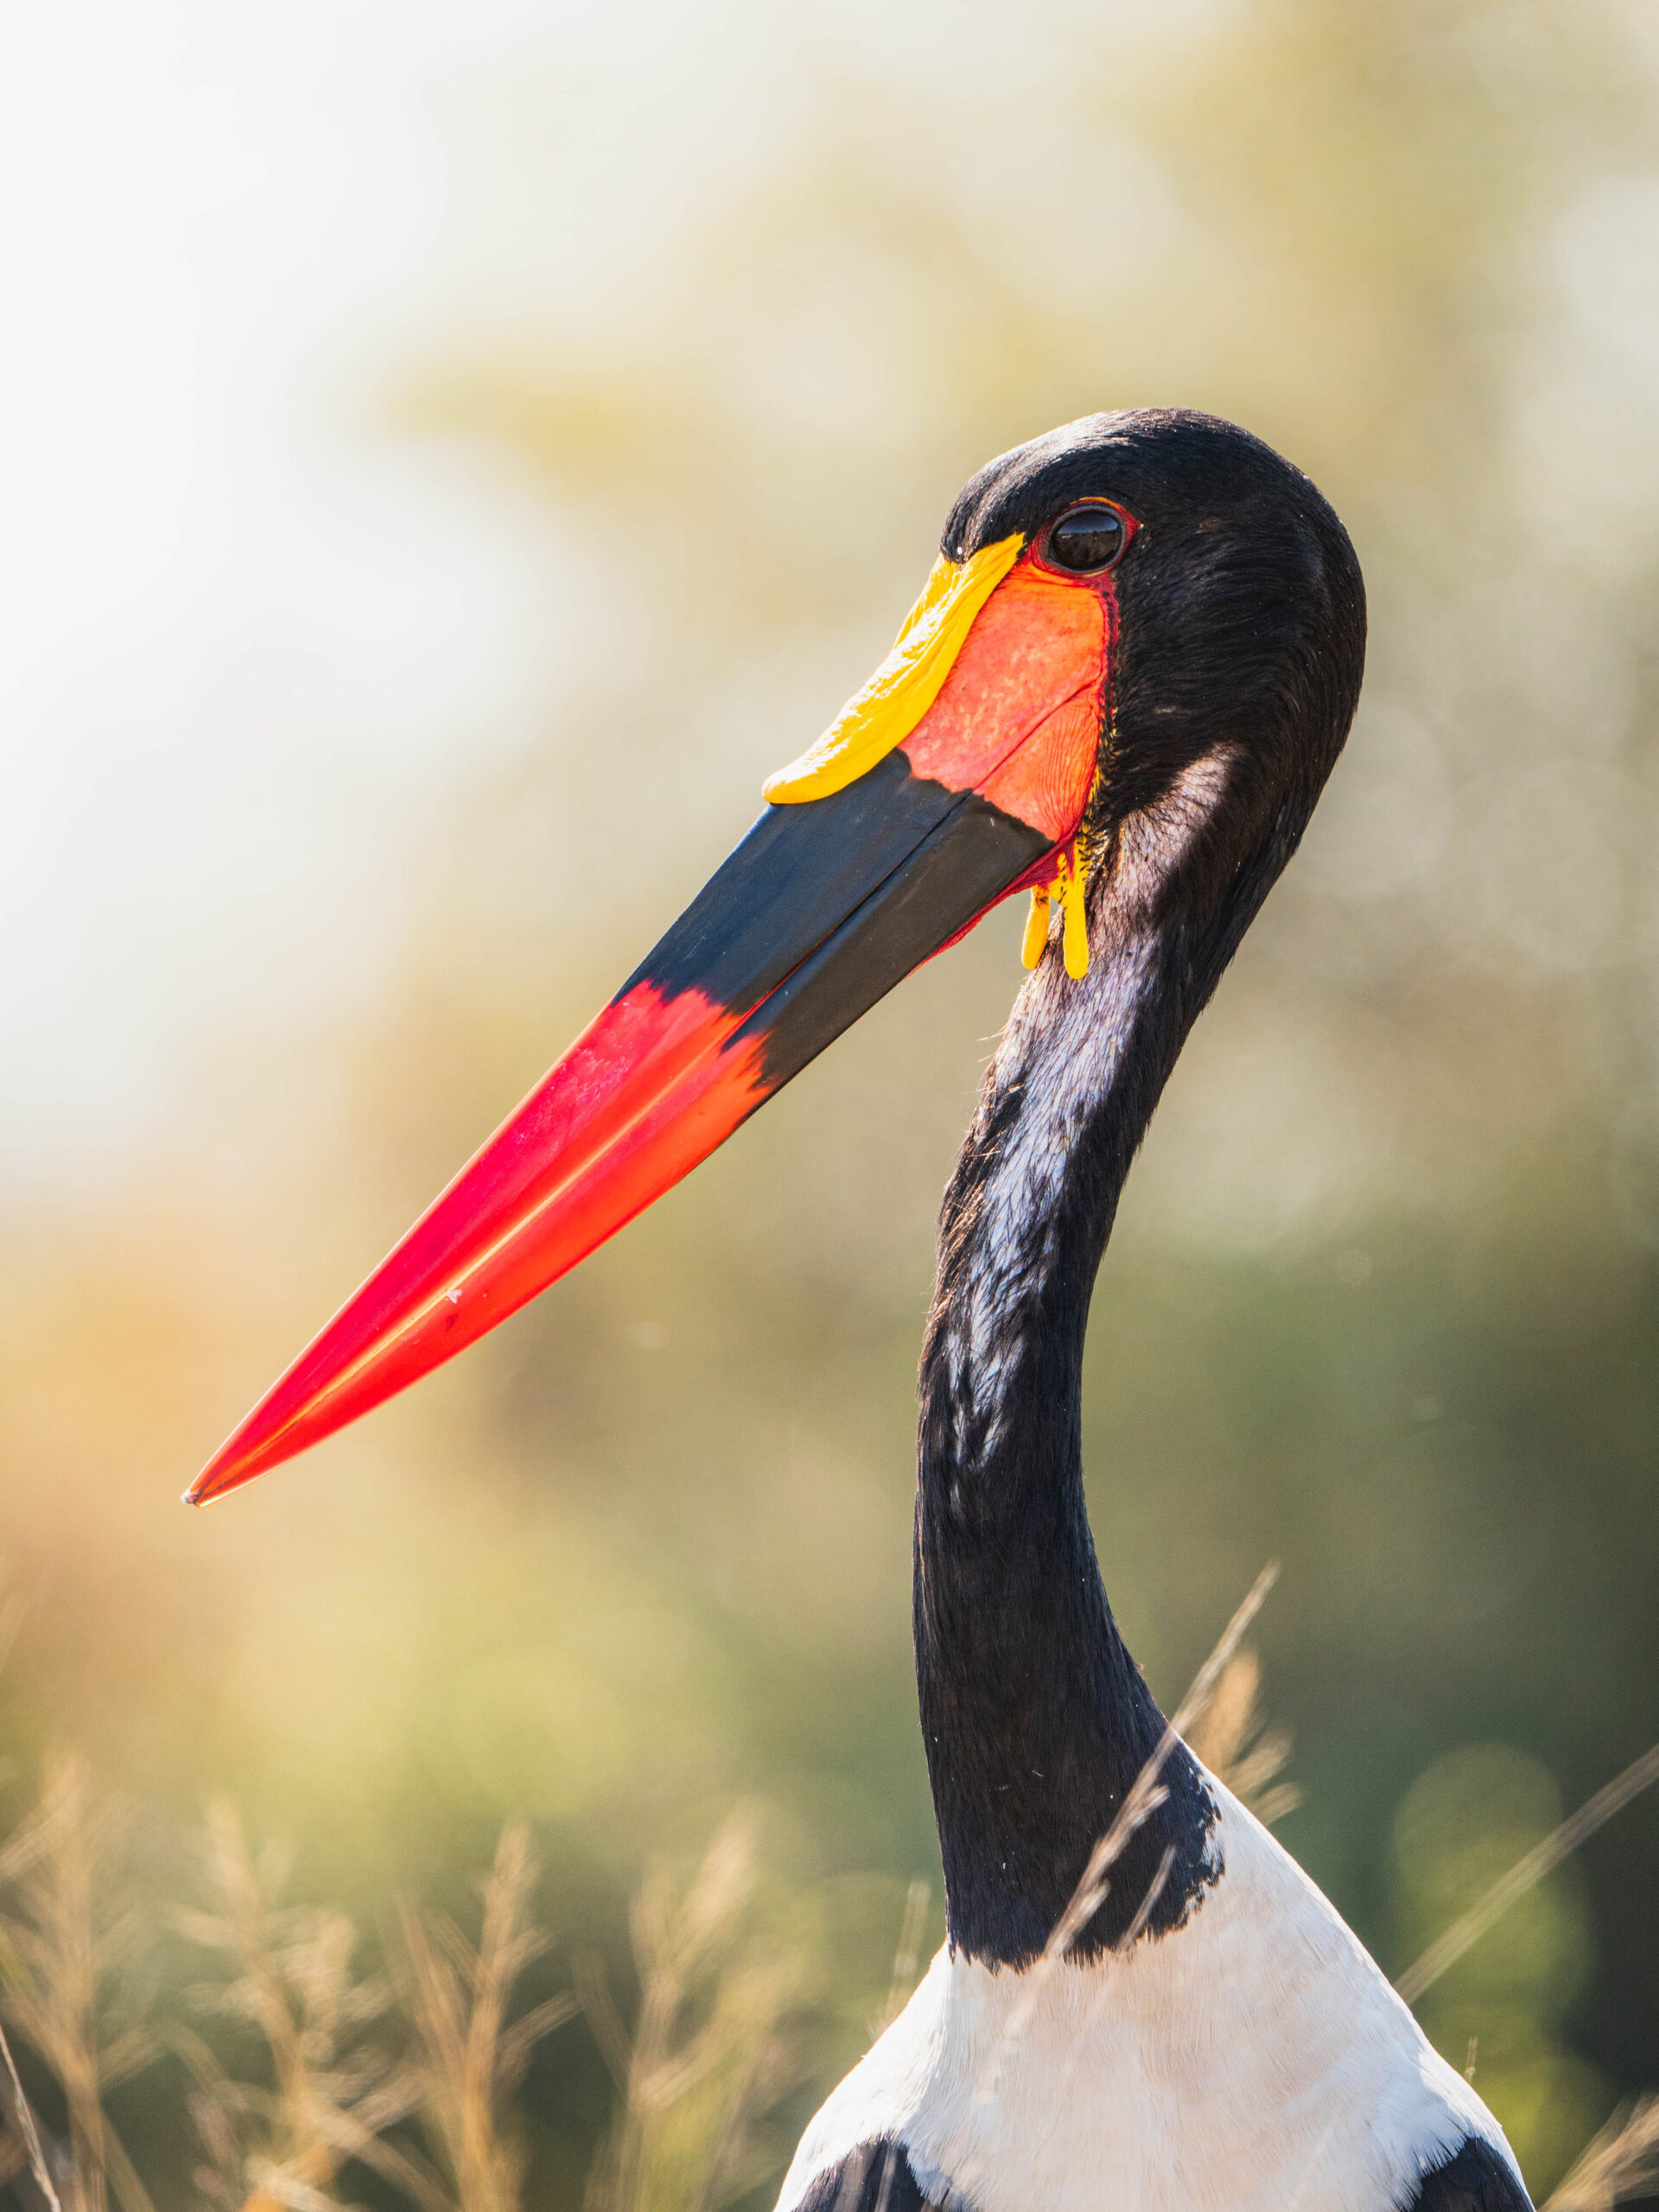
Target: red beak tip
{"x": 214, "y": 1483}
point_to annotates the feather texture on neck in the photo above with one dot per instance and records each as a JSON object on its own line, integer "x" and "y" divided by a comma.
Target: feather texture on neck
{"x": 1036, "y": 1720}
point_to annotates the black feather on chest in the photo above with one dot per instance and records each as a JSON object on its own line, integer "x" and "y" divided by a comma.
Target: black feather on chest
{"x": 1475, "y": 2178}
{"x": 877, "y": 2177}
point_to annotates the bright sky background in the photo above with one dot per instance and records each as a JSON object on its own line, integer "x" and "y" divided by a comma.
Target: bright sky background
{"x": 248, "y": 633}
{"x": 243, "y": 634}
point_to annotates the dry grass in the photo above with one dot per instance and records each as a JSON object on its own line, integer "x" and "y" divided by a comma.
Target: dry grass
{"x": 342, "y": 2072}
{"x": 711, "y": 2050}
{"x": 70, "y": 1987}
{"x": 1622, "y": 2163}
{"x": 334, "y": 2084}
{"x": 470, "y": 2058}
{"x": 350, "y": 2066}
{"x": 345, "y": 2066}
{"x": 907, "y": 1958}
{"x": 21, "y": 2150}
{"x": 1234, "y": 1743}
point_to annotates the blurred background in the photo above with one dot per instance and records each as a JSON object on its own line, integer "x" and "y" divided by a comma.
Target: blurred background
{"x": 453, "y": 454}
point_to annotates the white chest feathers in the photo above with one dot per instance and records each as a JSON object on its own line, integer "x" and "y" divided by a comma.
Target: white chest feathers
{"x": 1253, "y": 2060}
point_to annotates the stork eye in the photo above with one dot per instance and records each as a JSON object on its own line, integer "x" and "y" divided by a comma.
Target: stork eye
{"x": 1087, "y": 539}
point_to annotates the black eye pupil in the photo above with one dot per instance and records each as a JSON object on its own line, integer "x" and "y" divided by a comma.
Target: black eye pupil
{"x": 1089, "y": 537}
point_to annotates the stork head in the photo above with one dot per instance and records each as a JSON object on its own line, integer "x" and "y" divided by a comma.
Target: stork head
{"x": 1133, "y": 609}
{"x": 1236, "y": 619}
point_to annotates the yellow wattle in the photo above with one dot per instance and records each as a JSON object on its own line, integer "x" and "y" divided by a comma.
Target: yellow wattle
{"x": 1067, "y": 886}
{"x": 1035, "y": 941}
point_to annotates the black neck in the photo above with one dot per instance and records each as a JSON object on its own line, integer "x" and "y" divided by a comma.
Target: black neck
{"x": 1036, "y": 1719}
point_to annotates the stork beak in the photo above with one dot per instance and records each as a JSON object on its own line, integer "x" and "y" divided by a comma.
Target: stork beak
{"x": 949, "y": 781}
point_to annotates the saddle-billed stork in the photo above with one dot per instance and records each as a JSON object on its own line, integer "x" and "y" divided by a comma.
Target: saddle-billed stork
{"x": 1124, "y": 685}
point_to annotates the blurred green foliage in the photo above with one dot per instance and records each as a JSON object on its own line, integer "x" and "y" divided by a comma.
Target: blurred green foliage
{"x": 1464, "y": 1824}
{"x": 1383, "y": 1301}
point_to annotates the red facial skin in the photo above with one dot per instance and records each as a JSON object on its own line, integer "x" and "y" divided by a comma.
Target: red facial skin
{"x": 1046, "y": 774}
{"x": 648, "y": 1090}
{"x": 1017, "y": 718}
